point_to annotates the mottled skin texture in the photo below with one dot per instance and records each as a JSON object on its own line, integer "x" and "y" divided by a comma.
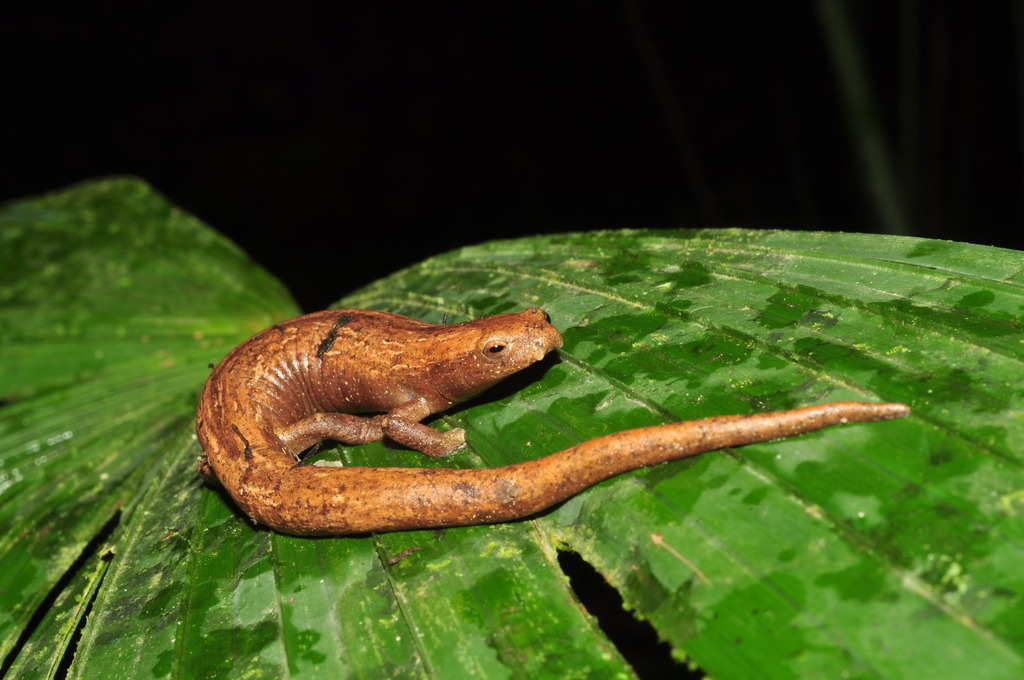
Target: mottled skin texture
{"x": 300, "y": 382}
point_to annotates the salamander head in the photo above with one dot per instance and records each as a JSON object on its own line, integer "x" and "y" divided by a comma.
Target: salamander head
{"x": 477, "y": 354}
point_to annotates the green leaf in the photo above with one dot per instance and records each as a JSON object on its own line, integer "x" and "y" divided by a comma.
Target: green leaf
{"x": 887, "y": 550}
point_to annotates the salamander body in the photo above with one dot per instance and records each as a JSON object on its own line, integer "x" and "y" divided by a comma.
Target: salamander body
{"x": 306, "y": 380}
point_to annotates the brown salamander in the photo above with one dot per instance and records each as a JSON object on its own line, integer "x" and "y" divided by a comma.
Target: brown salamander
{"x": 301, "y": 381}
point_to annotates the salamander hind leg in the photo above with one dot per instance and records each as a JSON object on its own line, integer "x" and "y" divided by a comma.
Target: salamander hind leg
{"x": 205, "y": 470}
{"x": 341, "y": 427}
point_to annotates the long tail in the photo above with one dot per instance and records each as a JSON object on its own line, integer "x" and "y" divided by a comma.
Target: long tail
{"x": 324, "y": 500}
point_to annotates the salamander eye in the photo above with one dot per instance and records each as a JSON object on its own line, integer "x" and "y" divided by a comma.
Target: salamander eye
{"x": 495, "y": 348}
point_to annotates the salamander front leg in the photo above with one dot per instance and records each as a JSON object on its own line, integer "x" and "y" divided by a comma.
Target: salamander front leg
{"x": 403, "y": 426}
{"x": 400, "y": 425}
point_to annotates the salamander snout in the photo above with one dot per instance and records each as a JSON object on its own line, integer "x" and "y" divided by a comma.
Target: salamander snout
{"x": 545, "y": 336}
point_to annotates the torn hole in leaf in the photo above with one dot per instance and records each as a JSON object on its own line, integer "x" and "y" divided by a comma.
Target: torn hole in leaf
{"x": 636, "y": 640}
{"x": 88, "y": 553}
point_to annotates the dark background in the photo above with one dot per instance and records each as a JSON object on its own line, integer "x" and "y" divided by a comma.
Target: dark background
{"x": 338, "y": 143}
